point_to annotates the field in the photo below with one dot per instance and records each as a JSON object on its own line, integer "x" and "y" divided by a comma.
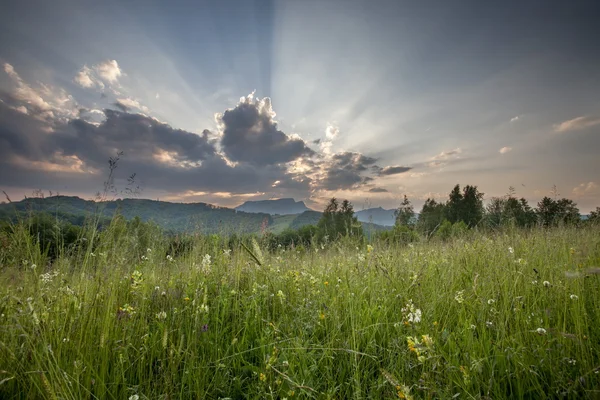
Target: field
{"x": 124, "y": 316}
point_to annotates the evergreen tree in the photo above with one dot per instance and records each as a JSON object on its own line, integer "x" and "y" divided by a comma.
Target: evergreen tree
{"x": 431, "y": 216}
{"x": 405, "y": 214}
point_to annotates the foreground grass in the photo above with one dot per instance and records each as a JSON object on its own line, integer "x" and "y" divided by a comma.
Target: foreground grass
{"x": 510, "y": 316}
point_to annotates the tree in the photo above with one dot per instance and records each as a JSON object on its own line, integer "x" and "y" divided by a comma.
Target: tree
{"x": 471, "y": 206}
{"x": 405, "y": 214}
{"x": 552, "y": 212}
{"x": 338, "y": 221}
{"x": 454, "y": 205}
{"x": 431, "y": 216}
{"x": 594, "y": 216}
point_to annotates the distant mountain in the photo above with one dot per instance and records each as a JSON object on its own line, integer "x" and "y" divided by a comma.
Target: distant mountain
{"x": 274, "y": 207}
{"x": 174, "y": 217}
{"x": 379, "y": 216}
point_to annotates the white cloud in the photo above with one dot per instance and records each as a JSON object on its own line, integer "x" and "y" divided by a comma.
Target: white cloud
{"x": 585, "y": 189}
{"x": 575, "y": 124}
{"x": 109, "y": 70}
{"x": 331, "y": 131}
{"x": 44, "y": 101}
{"x": 445, "y": 155}
{"x": 505, "y": 150}
{"x": 514, "y": 119}
{"x": 85, "y": 78}
{"x": 132, "y": 103}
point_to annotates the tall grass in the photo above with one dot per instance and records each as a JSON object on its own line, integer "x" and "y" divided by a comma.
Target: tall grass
{"x": 514, "y": 315}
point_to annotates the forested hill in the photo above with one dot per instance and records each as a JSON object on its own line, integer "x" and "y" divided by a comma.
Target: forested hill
{"x": 174, "y": 217}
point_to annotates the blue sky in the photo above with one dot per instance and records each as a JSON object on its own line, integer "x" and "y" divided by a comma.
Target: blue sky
{"x": 306, "y": 99}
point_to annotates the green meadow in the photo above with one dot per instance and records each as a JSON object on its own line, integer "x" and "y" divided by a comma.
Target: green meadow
{"x": 125, "y": 314}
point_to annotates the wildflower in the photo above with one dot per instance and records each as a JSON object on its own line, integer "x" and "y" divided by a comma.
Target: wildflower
{"x": 226, "y": 252}
{"x": 572, "y": 251}
{"x": 148, "y": 250}
{"x": 206, "y": 263}
{"x": 412, "y": 313}
{"x": 92, "y": 254}
{"x": 204, "y": 328}
{"x": 144, "y": 258}
{"x": 473, "y": 327}
{"x": 361, "y": 257}
{"x": 491, "y": 301}
{"x": 369, "y": 249}
{"x": 169, "y": 258}
{"x": 541, "y": 331}
{"x": 262, "y": 377}
{"x": 156, "y": 288}
{"x": 574, "y": 297}
{"x": 489, "y": 324}
{"x": 511, "y": 250}
{"x": 326, "y": 283}
{"x": 534, "y": 282}
{"x": 572, "y": 361}
{"x": 322, "y": 316}
{"x": 281, "y": 296}
{"x": 546, "y": 284}
{"x": 161, "y": 316}
{"x": 459, "y": 296}
{"x": 134, "y": 397}
{"x": 204, "y": 308}
{"x": 339, "y": 280}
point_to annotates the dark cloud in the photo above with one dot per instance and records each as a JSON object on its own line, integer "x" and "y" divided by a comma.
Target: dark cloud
{"x": 164, "y": 158}
{"x": 250, "y": 134}
{"x": 378, "y": 190}
{"x": 345, "y": 171}
{"x": 121, "y": 106}
{"x": 393, "y": 170}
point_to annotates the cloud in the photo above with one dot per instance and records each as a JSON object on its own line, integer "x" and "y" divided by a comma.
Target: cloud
{"x": 585, "y": 189}
{"x": 105, "y": 72}
{"x": 126, "y": 104}
{"x": 331, "y": 132}
{"x": 514, "y": 119}
{"x": 505, "y": 150}
{"x": 393, "y": 170}
{"x": 43, "y": 102}
{"x": 109, "y": 70}
{"x": 445, "y": 155}
{"x": 249, "y": 133}
{"x": 344, "y": 170}
{"x": 378, "y": 190}
{"x": 575, "y": 124}
{"x": 84, "y": 78}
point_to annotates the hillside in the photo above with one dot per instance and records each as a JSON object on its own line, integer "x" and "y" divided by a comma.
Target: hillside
{"x": 274, "y": 207}
{"x": 379, "y": 216}
{"x": 174, "y": 217}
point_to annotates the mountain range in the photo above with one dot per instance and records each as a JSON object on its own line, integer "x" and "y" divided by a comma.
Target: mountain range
{"x": 180, "y": 217}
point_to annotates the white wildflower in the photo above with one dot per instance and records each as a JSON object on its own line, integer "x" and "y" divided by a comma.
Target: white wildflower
{"x": 546, "y": 283}
{"x": 206, "y": 263}
{"x": 534, "y": 282}
{"x": 227, "y": 252}
{"x": 361, "y": 257}
{"x": 459, "y": 297}
{"x": 148, "y": 250}
{"x": 489, "y": 324}
{"x": 161, "y": 316}
{"x": 134, "y": 397}
{"x": 473, "y": 327}
{"x": 169, "y": 258}
{"x": 491, "y": 301}
{"x": 541, "y": 331}
{"x": 511, "y": 250}
{"x": 412, "y": 313}
{"x": 574, "y": 297}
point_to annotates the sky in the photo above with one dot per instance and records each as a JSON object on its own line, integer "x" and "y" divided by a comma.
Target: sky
{"x": 228, "y": 101}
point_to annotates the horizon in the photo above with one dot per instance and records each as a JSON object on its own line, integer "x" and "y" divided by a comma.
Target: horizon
{"x": 236, "y": 101}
